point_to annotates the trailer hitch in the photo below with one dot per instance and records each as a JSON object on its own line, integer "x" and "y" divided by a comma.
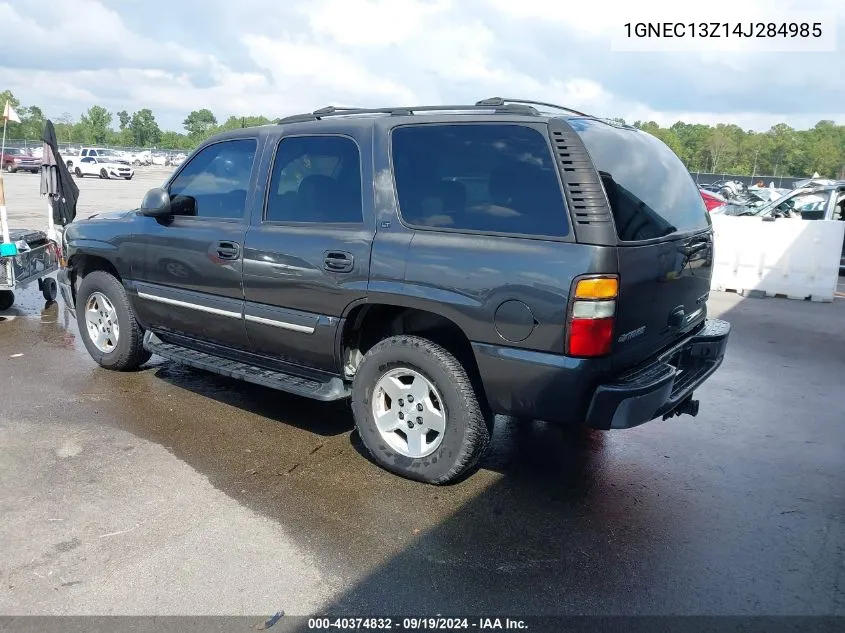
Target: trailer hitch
{"x": 687, "y": 407}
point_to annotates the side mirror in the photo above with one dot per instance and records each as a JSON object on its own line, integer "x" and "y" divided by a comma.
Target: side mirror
{"x": 156, "y": 203}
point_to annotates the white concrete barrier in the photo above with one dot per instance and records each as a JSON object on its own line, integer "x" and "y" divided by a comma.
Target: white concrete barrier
{"x": 795, "y": 258}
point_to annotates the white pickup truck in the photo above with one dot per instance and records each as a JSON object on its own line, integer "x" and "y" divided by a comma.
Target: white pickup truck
{"x": 99, "y": 153}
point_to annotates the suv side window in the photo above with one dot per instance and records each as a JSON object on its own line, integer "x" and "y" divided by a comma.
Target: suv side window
{"x": 315, "y": 179}
{"x": 215, "y": 182}
{"x": 488, "y": 177}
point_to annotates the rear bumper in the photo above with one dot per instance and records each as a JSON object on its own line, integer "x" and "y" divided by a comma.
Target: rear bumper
{"x": 660, "y": 387}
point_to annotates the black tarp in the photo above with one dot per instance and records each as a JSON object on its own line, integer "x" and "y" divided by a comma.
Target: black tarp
{"x": 56, "y": 182}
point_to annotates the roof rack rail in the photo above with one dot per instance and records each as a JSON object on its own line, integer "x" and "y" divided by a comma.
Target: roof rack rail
{"x": 316, "y": 115}
{"x": 504, "y": 101}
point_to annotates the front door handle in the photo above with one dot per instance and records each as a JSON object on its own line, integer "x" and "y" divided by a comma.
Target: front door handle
{"x": 338, "y": 261}
{"x": 228, "y": 250}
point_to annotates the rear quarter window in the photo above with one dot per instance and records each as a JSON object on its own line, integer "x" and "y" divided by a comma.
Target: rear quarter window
{"x": 651, "y": 192}
{"x": 478, "y": 177}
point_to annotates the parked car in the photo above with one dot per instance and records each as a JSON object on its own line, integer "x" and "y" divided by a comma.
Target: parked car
{"x": 142, "y": 158}
{"x": 435, "y": 265}
{"x": 103, "y": 168}
{"x": 17, "y": 159}
{"x": 712, "y": 200}
{"x": 812, "y": 202}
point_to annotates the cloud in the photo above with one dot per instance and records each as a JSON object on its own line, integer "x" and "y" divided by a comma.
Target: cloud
{"x": 261, "y": 57}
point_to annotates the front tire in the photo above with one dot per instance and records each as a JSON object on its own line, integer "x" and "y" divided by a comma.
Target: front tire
{"x": 433, "y": 428}
{"x": 107, "y": 323}
{"x": 104, "y": 174}
{"x": 78, "y": 172}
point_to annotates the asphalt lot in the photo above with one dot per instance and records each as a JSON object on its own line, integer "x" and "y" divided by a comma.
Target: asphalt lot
{"x": 170, "y": 491}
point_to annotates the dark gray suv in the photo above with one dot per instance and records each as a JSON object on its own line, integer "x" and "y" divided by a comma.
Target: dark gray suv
{"x": 436, "y": 265}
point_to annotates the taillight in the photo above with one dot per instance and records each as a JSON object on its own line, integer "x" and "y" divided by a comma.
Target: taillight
{"x": 592, "y": 317}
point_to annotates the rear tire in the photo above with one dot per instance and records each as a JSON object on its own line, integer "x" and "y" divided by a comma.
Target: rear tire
{"x": 467, "y": 429}
{"x": 7, "y": 299}
{"x": 104, "y": 292}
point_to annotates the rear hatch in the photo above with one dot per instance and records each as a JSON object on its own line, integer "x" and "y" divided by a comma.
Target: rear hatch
{"x": 665, "y": 246}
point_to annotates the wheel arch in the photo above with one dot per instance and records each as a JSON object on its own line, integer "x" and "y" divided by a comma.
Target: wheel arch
{"x": 82, "y": 263}
{"x": 364, "y": 324}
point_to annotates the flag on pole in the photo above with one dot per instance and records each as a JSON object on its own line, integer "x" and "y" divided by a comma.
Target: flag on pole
{"x": 9, "y": 113}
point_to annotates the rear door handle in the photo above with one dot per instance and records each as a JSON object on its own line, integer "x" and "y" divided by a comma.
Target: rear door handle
{"x": 228, "y": 250}
{"x": 338, "y": 261}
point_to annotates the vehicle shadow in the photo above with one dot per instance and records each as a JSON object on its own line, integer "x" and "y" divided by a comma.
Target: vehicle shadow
{"x": 323, "y": 418}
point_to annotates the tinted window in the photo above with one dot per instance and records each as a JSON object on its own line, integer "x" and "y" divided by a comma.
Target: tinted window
{"x": 650, "y": 190}
{"x": 315, "y": 179}
{"x": 215, "y": 181}
{"x": 481, "y": 177}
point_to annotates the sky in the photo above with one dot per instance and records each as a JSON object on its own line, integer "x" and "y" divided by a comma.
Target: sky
{"x": 242, "y": 57}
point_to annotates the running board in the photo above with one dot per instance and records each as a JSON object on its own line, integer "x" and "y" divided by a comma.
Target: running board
{"x": 333, "y": 389}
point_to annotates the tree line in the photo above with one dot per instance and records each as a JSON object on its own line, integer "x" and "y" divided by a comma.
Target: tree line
{"x": 723, "y": 148}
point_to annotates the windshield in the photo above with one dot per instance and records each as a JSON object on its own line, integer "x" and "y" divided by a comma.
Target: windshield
{"x": 802, "y": 201}
{"x": 16, "y": 151}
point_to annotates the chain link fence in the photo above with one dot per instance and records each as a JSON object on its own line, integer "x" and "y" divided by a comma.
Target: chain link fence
{"x": 70, "y": 148}
{"x": 781, "y": 182}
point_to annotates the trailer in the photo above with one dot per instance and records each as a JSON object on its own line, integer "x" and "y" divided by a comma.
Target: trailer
{"x": 37, "y": 257}
{"x": 28, "y": 255}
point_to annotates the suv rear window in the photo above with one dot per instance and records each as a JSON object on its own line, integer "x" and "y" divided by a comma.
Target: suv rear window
{"x": 651, "y": 192}
{"x": 486, "y": 177}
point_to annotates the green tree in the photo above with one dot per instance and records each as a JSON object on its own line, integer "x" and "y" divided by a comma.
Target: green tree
{"x": 123, "y": 120}
{"x": 237, "y": 122}
{"x": 145, "y": 130}
{"x": 96, "y": 123}
{"x": 722, "y": 145}
{"x": 32, "y": 122}
{"x": 13, "y": 129}
{"x": 175, "y": 140}
{"x": 6, "y": 95}
{"x": 785, "y": 150}
{"x": 200, "y": 123}
{"x": 64, "y": 127}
